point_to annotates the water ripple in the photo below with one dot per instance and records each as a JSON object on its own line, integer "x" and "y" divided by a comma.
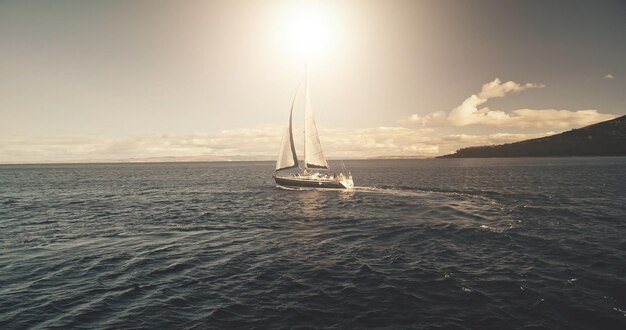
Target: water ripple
{"x": 418, "y": 244}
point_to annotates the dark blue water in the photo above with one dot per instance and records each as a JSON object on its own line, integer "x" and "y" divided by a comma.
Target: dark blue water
{"x": 482, "y": 243}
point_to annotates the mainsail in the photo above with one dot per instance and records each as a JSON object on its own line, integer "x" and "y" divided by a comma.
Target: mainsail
{"x": 313, "y": 155}
{"x": 287, "y": 155}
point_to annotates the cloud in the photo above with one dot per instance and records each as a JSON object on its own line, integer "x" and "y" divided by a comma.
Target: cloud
{"x": 208, "y": 146}
{"x": 238, "y": 144}
{"x": 450, "y": 143}
{"x": 491, "y": 139}
{"x": 553, "y": 118}
{"x": 471, "y": 112}
{"x": 498, "y": 89}
{"x": 439, "y": 118}
{"x": 609, "y": 76}
{"x": 256, "y": 143}
{"x": 379, "y": 141}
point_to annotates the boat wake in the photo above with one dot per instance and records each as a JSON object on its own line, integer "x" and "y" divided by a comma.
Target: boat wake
{"x": 395, "y": 191}
{"x": 402, "y": 191}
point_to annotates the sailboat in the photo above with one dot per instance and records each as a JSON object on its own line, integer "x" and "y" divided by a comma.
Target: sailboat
{"x": 315, "y": 172}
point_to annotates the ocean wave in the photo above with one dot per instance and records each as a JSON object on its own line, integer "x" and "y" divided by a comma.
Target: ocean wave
{"x": 151, "y": 246}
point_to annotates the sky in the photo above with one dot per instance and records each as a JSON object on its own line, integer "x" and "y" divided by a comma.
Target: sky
{"x": 88, "y": 80}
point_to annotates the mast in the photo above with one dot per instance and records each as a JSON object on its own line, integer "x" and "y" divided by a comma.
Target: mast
{"x": 306, "y": 102}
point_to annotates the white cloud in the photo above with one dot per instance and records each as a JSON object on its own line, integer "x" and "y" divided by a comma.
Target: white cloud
{"x": 379, "y": 141}
{"x": 553, "y": 118}
{"x": 450, "y": 143}
{"x": 439, "y": 118}
{"x": 249, "y": 143}
{"x": 490, "y": 139}
{"x": 498, "y": 89}
{"x": 209, "y": 146}
{"x": 470, "y": 112}
{"x": 609, "y": 76}
{"x": 243, "y": 144}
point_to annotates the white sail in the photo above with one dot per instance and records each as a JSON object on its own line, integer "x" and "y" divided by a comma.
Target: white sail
{"x": 313, "y": 155}
{"x": 287, "y": 157}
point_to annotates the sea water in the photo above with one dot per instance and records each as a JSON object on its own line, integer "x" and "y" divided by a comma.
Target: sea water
{"x": 441, "y": 243}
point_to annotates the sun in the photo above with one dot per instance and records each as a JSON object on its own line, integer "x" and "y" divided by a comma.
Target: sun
{"x": 308, "y": 30}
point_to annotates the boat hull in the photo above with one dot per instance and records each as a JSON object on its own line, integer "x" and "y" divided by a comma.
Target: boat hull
{"x": 294, "y": 182}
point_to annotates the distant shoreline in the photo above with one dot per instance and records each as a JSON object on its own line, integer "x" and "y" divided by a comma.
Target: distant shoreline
{"x": 271, "y": 161}
{"x": 102, "y": 162}
{"x": 607, "y": 138}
